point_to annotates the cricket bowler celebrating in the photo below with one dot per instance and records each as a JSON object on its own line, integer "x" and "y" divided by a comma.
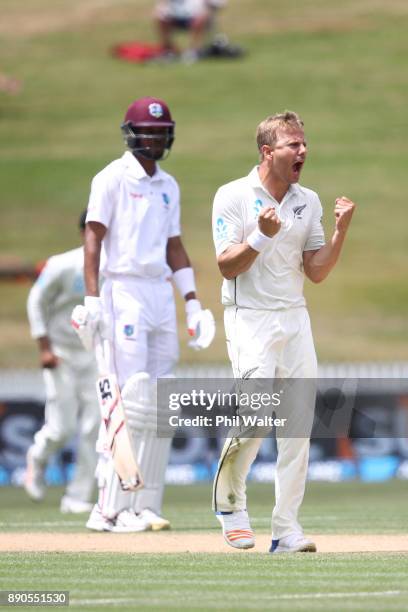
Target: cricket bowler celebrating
{"x": 268, "y": 235}
{"x": 133, "y": 236}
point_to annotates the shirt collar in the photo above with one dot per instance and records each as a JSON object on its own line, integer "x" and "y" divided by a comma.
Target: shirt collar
{"x": 137, "y": 169}
{"x": 256, "y": 182}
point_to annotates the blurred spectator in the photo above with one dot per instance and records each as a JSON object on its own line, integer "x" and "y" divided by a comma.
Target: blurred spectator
{"x": 10, "y": 84}
{"x": 194, "y": 16}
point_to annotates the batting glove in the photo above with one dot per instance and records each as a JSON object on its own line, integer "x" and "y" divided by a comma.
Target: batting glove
{"x": 87, "y": 321}
{"x": 200, "y": 325}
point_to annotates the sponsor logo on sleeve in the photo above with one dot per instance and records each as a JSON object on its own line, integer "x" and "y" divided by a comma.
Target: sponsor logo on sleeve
{"x": 129, "y": 330}
{"x": 221, "y": 230}
{"x": 42, "y": 279}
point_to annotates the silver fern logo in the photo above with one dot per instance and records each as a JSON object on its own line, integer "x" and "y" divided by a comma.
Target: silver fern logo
{"x": 298, "y": 211}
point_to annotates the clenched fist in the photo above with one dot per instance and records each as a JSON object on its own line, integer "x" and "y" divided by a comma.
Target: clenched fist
{"x": 269, "y": 222}
{"x": 343, "y": 211}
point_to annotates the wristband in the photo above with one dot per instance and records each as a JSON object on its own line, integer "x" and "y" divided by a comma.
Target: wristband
{"x": 93, "y": 304}
{"x": 259, "y": 241}
{"x": 184, "y": 281}
{"x": 192, "y": 306}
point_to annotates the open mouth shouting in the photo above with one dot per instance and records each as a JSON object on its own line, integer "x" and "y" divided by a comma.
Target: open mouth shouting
{"x": 297, "y": 168}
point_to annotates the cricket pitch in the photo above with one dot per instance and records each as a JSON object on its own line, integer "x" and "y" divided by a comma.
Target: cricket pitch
{"x": 179, "y": 542}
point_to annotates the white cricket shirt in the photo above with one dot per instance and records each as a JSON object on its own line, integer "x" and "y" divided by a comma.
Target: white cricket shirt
{"x": 275, "y": 280}
{"x": 140, "y": 212}
{"x": 52, "y": 298}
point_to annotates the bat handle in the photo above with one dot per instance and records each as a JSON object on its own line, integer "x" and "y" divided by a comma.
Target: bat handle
{"x": 103, "y": 355}
{"x": 100, "y": 355}
{"x": 107, "y": 354}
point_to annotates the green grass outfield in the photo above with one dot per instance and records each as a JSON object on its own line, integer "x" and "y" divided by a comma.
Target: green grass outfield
{"x": 342, "y": 66}
{"x": 190, "y": 581}
{"x": 214, "y": 582}
{"x": 348, "y": 507}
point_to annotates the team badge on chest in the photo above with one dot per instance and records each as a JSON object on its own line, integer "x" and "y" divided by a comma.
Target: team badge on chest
{"x": 298, "y": 211}
{"x": 166, "y": 200}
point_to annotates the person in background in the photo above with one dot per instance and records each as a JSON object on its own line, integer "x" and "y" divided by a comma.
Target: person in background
{"x": 69, "y": 376}
{"x": 194, "y": 16}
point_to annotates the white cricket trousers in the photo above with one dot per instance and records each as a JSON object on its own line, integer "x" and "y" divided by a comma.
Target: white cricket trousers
{"x": 268, "y": 344}
{"x": 71, "y": 408}
{"x": 143, "y": 315}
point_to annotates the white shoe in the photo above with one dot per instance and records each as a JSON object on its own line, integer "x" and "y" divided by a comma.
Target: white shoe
{"x": 34, "y": 483}
{"x": 127, "y": 521}
{"x": 97, "y": 522}
{"x": 69, "y": 505}
{"x": 295, "y": 542}
{"x": 236, "y": 529}
{"x": 157, "y": 522}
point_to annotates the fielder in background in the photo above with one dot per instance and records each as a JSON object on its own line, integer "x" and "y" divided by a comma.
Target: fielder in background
{"x": 133, "y": 231}
{"x": 69, "y": 376}
{"x": 268, "y": 235}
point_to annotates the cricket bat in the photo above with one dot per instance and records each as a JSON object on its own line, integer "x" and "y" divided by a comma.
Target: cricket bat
{"x": 118, "y": 438}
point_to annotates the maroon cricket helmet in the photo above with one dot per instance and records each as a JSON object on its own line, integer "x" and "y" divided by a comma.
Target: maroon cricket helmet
{"x": 148, "y": 112}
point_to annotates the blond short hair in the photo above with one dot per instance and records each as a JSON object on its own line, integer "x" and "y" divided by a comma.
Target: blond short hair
{"x": 267, "y": 130}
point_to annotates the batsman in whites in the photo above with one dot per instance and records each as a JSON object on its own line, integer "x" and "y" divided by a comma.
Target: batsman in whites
{"x": 133, "y": 237}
